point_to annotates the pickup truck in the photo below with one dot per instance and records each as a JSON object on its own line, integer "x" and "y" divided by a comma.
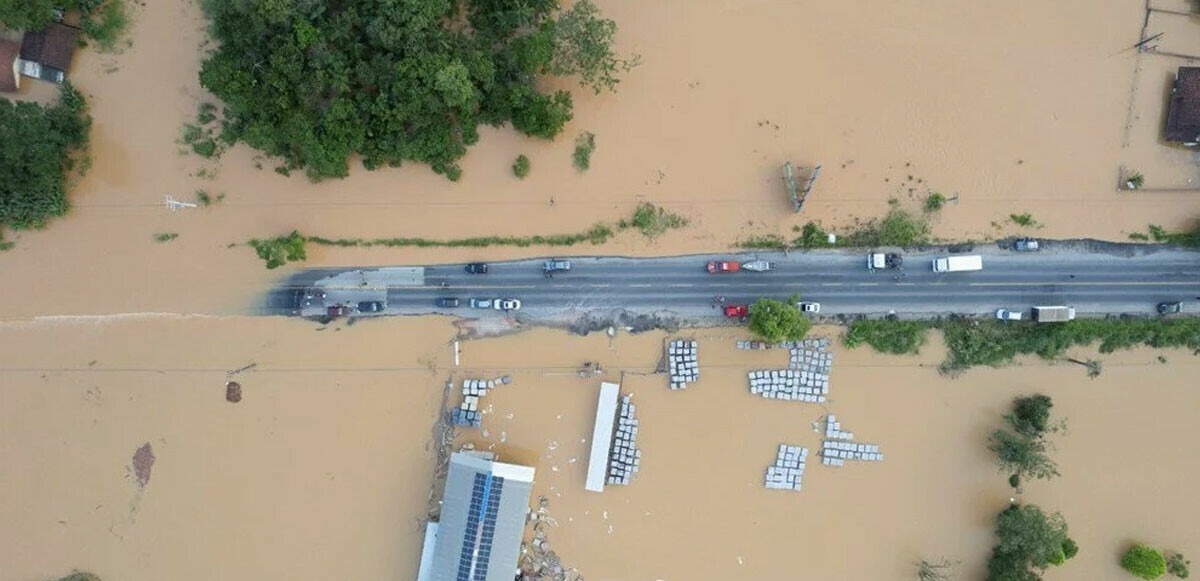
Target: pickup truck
{"x": 736, "y": 311}
{"x": 556, "y": 265}
{"x": 958, "y": 263}
{"x": 722, "y": 266}
{"x": 881, "y": 261}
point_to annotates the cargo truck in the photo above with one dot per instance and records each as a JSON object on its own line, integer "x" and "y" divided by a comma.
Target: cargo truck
{"x": 958, "y": 263}
{"x": 1053, "y": 314}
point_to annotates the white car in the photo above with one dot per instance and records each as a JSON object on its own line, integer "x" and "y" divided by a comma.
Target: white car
{"x": 809, "y": 307}
{"x": 481, "y": 303}
{"x": 1007, "y": 315}
{"x": 506, "y": 304}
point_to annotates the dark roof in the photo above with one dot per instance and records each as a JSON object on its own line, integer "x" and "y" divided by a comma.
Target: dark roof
{"x": 52, "y": 47}
{"x": 1183, "y": 118}
{"x": 8, "y": 65}
{"x": 483, "y": 519}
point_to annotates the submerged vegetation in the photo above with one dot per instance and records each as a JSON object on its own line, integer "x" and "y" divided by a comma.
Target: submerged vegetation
{"x": 313, "y": 82}
{"x": 165, "y": 236}
{"x": 971, "y": 343}
{"x": 652, "y": 220}
{"x": 585, "y": 144}
{"x": 1022, "y": 452}
{"x": 521, "y": 166}
{"x": 53, "y": 143}
{"x": 105, "y": 22}
{"x": 280, "y": 250}
{"x": 1030, "y": 541}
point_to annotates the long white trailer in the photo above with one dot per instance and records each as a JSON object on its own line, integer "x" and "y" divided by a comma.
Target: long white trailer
{"x": 602, "y": 434}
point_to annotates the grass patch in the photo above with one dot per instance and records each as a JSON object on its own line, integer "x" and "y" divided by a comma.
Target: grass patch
{"x": 1187, "y": 238}
{"x": 521, "y": 166}
{"x": 165, "y": 236}
{"x": 280, "y": 250}
{"x": 652, "y": 220}
{"x": 764, "y": 242}
{"x": 597, "y": 234}
{"x": 205, "y": 199}
{"x": 897, "y": 228}
{"x": 107, "y": 24}
{"x": 1025, "y": 219}
{"x": 585, "y": 144}
{"x": 934, "y": 202}
{"x": 971, "y": 343}
{"x": 1139, "y": 236}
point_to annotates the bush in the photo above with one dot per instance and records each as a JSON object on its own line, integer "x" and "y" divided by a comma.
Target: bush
{"x": 886, "y": 336}
{"x": 1144, "y": 562}
{"x": 1025, "y": 219}
{"x": 1070, "y": 548}
{"x": 1031, "y": 414}
{"x": 281, "y": 250}
{"x": 812, "y": 236}
{"x": 107, "y": 25}
{"x": 1022, "y": 455}
{"x": 521, "y": 166}
{"x": 651, "y": 220}
{"x": 934, "y": 202}
{"x": 165, "y": 236}
{"x": 897, "y": 228}
{"x": 1177, "y": 565}
{"x": 775, "y": 321}
{"x": 585, "y": 144}
{"x": 41, "y": 146}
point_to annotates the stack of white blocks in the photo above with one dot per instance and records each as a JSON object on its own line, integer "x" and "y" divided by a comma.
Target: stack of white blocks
{"x": 682, "y": 364}
{"x": 806, "y": 378}
{"x": 838, "y": 448}
{"x": 788, "y": 470}
{"x": 625, "y": 458}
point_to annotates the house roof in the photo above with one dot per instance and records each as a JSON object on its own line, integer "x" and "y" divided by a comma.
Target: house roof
{"x": 53, "y": 46}
{"x": 9, "y": 78}
{"x": 1183, "y": 118}
{"x": 483, "y": 519}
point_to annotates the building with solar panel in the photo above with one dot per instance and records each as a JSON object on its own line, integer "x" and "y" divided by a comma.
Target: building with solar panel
{"x": 483, "y": 518}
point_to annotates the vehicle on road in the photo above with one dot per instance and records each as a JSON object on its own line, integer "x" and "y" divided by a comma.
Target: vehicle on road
{"x": 758, "y": 266}
{"x": 1170, "y": 308}
{"x": 446, "y": 302}
{"x": 1026, "y": 245}
{"x": 958, "y": 263}
{"x": 477, "y": 268}
{"x": 506, "y": 304}
{"x": 338, "y": 311}
{"x": 736, "y": 311}
{"x": 1007, "y": 315}
{"x": 1053, "y": 314}
{"x": 881, "y": 261}
{"x": 722, "y": 266}
{"x": 556, "y": 265}
{"x": 370, "y": 306}
{"x": 809, "y": 307}
{"x": 481, "y": 303}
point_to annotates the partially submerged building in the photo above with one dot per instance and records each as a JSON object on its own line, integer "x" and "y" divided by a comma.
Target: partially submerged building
{"x": 10, "y": 75}
{"x": 1183, "y": 115}
{"x": 46, "y": 54}
{"x": 484, "y": 509}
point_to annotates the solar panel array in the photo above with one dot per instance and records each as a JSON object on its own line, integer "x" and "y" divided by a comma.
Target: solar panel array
{"x": 481, "y": 527}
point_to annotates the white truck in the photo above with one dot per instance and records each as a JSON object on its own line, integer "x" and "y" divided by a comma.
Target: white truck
{"x": 881, "y": 261}
{"x": 1053, "y": 314}
{"x": 958, "y": 263}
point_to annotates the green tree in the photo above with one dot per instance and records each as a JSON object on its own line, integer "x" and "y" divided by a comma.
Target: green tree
{"x": 521, "y": 166}
{"x": 454, "y": 83}
{"x": 27, "y": 14}
{"x": 1029, "y": 542}
{"x": 1022, "y": 455}
{"x": 279, "y": 251}
{"x": 775, "y": 321}
{"x": 43, "y": 145}
{"x": 1144, "y": 562}
{"x": 583, "y": 46}
{"x": 1031, "y": 414}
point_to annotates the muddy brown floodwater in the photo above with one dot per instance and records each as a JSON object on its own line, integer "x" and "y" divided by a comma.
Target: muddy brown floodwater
{"x": 325, "y": 472}
{"x": 110, "y": 340}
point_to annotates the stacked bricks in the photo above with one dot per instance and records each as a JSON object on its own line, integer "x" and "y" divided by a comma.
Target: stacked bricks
{"x": 681, "y": 363}
{"x": 838, "y": 448}
{"x": 806, "y": 379}
{"x": 468, "y": 412}
{"x": 788, "y": 470}
{"x": 625, "y": 458}
{"x": 753, "y": 345}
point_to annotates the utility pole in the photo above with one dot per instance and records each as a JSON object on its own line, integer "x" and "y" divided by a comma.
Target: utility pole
{"x": 174, "y": 204}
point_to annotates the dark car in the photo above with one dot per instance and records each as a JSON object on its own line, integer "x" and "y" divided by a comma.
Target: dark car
{"x": 446, "y": 302}
{"x": 1170, "y": 308}
{"x": 370, "y": 307}
{"x": 477, "y": 268}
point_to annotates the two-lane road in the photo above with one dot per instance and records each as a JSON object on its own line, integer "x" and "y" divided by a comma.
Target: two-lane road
{"x": 1094, "y": 283}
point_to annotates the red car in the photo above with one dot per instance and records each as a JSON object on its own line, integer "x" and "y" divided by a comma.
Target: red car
{"x": 736, "y": 311}
{"x": 338, "y": 311}
{"x": 719, "y": 266}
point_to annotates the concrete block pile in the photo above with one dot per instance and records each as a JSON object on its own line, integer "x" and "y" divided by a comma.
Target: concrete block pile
{"x": 838, "y": 447}
{"x": 468, "y": 413}
{"x": 806, "y": 379}
{"x": 788, "y": 470}
{"x": 625, "y": 458}
{"x": 754, "y": 345}
{"x": 682, "y": 364}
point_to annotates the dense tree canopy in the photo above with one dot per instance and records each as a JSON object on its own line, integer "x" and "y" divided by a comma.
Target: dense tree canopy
{"x": 314, "y": 81}
{"x": 775, "y": 321}
{"x": 37, "y": 145}
{"x": 1030, "y": 541}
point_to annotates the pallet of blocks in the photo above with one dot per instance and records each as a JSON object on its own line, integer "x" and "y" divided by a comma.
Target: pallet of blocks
{"x": 788, "y": 470}
{"x": 838, "y": 446}
{"x": 682, "y": 365}
{"x": 625, "y": 458}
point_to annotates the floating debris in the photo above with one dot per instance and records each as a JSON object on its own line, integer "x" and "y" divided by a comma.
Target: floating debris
{"x": 143, "y": 461}
{"x": 233, "y": 391}
{"x": 681, "y": 363}
{"x": 788, "y": 470}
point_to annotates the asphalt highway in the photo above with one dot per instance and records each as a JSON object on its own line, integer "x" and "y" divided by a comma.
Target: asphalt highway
{"x": 1095, "y": 283}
